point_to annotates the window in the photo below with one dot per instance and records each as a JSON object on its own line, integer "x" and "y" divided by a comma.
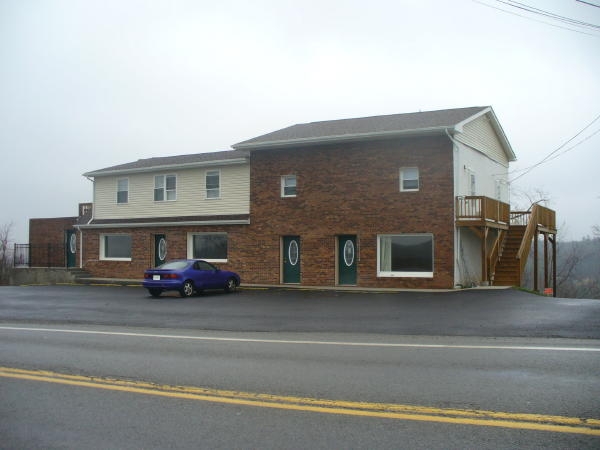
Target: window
{"x": 115, "y": 247}
{"x": 405, "y": 255}
{"x": 213, "y": 184}
{"x": 209, "y": 246}
{"x": 473, "y": 184}
{"x": 409, "y": 179}
{"x": 123, "y": 190}
{"x": 288, "y": 186}
{"x": 165, "y": 188}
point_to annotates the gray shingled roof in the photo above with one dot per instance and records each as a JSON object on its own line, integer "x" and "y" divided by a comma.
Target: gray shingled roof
{"x": 196, "y": 159}
{"x": 331, "y": 130}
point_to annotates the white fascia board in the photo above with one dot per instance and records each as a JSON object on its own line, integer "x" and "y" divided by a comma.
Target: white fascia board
{"x": 343, "y": 138}
{"x": 163, "y": 224}
{"x": 220, "y": 162}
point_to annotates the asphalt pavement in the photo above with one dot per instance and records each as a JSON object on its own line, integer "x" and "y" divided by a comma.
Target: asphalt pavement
{"x": 486, "y": 313}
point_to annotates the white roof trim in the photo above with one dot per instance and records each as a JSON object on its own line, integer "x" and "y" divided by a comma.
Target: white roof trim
{"x": 219, "y": 162}
{"x": 164, "y": 224}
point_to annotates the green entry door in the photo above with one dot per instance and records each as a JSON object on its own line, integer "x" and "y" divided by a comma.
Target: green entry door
{"x": 71, "y": 244}
{"x": 160, "y": 249}
{"x": 291, "y": 259}
{"x": 347, "y": 259}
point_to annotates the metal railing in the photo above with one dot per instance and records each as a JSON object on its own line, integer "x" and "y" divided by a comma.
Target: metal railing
{"x": 39, "y": 255}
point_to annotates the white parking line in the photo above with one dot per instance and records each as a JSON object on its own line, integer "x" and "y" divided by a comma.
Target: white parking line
{"x": 305, "y": 342}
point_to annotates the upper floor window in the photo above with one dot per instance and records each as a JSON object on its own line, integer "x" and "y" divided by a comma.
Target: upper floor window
{"x": 165, "y": 188}
{"x": 213, "y": 184}
{"x": 123, "y": 190}
{"x": 472, "y": 184}
{"x": 409, "y": 179}
{"x": 288, "y": 186}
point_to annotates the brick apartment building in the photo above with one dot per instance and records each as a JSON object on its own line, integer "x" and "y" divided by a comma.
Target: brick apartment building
{"x": 415, "y": 200}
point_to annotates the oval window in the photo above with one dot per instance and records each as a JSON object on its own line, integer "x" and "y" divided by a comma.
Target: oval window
{"x": 349, "y": 252}
{"x": 293, "y": 253}
{"x": 162, "y": 249}
{"x": 73, "y": 243}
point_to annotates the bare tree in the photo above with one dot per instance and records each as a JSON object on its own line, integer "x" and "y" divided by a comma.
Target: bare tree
{"x": 5, "y": 251}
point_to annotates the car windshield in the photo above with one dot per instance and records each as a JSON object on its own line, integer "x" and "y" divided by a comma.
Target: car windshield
{"x": 174, "y": 265}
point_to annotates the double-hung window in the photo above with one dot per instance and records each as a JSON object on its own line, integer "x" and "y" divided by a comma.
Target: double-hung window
{"x": 165, "y": 188}
{"x": 288, "y": 186}
{"x": 213, "y": 184}
{"x": 409, "y": 179}
{"x": 405, "y": 255}
{"x": 208, "y": 246}
{"x": 122, "y": 190}
{"x": 116, "y": 247}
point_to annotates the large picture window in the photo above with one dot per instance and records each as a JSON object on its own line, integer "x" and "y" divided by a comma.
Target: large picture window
{"x": 209, "y": 246}
{"x": 115, "y": 247}
{"x": 405, "y": 255}
{"x": 165, "y": 188}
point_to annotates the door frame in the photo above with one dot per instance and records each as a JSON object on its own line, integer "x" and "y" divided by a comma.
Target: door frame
{"x": 155, "y": 241}
{"x": 338, "y": 242}
{"x": 283, "y": 258}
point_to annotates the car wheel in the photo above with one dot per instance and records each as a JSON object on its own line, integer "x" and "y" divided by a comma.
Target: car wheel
{"x": 188, "y": 289}
{"x": 155, "y": 292}
{"x": 231, "y": 285}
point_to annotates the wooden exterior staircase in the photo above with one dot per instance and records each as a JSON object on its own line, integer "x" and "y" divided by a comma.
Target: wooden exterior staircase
{"x": 508, "y": 267}
{"x": 503, "y": 263}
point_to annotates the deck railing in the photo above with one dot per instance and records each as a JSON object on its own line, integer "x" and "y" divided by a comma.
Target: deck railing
{"x": 484, "y": 209}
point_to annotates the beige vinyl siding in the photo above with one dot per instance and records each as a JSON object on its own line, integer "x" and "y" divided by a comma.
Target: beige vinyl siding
{"x": 191, "y": 194}
{"x": 481, "y": 135}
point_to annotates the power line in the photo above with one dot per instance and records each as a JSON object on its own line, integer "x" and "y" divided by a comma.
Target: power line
{"x": 588, "y": 3}
{"x": 549, "y": 14}
{"x": 536, "y": 20}
{"x": 553, "y": 154}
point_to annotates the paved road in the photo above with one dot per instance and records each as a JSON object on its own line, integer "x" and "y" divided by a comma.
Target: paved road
{"x": 465, "y": 313}
{"x": 110, "y": 367}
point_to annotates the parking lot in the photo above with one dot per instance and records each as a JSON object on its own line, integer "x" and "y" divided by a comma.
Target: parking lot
{"x": 462, "y": 313}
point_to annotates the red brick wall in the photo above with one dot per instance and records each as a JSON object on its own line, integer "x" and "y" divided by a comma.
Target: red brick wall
{"x": 350, "y": 189}
{"x": 342, "y": 189}
{"x": 47, "y": 240}
{"x": 142, "y": 250}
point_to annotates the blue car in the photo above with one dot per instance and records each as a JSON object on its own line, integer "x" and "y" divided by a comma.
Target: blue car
{"x": 188, "y": 276}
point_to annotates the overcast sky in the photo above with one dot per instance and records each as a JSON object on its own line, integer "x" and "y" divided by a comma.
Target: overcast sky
{"x": 89, "y": 84}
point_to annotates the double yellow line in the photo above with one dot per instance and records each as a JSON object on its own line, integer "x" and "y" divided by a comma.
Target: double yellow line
{"x": 538, "y": 422}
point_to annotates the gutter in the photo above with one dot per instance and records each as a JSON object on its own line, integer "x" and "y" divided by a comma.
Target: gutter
{"x": 220, "y": 162}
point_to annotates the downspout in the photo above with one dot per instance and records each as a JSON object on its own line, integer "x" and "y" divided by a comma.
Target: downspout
{"x": 457, "y": 235}
{"x": 89, "y": 221}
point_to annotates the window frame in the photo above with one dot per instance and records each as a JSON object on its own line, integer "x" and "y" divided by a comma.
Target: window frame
{"x": 119, "y": 180}
{"x": 190, "y": 245}
{"x": 102, "y": 254}
{"x": 403, "y": 178}
{"x": 207, "y": 189}
{"x": 284, "y": 185}
{"x": 405, "y": 274}
{"x": 164, "y": 189}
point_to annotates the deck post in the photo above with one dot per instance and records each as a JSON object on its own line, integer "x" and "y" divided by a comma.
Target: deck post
{"x": 535, "y": 261}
